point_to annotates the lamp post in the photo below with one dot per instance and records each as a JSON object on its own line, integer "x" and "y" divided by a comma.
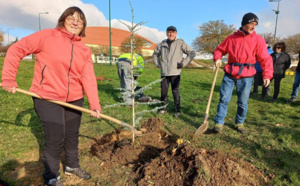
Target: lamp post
{"x": 276, "y": 12}
{"x": 8, "y": 35}
{"x": 40, "y": 18}
{"x": 110, "y": 59}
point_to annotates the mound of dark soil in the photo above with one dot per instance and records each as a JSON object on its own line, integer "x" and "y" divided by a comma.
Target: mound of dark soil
{"x": 156, "y": 158}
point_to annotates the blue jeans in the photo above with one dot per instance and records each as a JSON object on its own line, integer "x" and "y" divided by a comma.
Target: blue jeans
{"x": 294, "y": 94}
{"x": 243, "y": 88}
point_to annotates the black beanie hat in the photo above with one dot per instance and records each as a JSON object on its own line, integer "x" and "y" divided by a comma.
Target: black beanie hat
{"x": 249, "y": 18}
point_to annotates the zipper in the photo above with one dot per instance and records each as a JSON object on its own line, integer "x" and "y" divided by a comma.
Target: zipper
{"x": 42, "y": 76}
{"x": 70, "y": 68}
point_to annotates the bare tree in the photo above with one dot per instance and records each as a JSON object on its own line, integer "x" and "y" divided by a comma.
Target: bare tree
{"x": 212, "y": 34}
{"x": 99, "y": 49}
{"x": 137, "y": 45}
{"x": 293, "y": 44}
{"x": 1, "y": 38}
{"x": 268, "y": 37}
{"x": 95, "y": 50}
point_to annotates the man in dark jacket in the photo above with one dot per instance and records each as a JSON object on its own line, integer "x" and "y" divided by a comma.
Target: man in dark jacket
{"x": 294, "y": 94}
{"x": 258, "y": 78}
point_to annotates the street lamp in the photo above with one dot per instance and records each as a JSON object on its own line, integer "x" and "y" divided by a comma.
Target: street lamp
{"x": 40, "y": 18}
{"x": 8, "y": 35}
{"x": 110, "y": 59}
{"x": 276, "y": 12}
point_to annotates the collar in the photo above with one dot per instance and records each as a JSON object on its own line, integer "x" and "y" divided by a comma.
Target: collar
{"x": 241, "y": 29}
{"x": 242, "y": 33}
{"x": 69, "y": 34}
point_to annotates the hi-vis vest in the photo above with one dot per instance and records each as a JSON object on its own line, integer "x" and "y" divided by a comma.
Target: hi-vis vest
{"x": 137, "y": 61}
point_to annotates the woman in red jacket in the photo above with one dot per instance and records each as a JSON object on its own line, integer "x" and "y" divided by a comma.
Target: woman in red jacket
{"x": 63, "y": 71}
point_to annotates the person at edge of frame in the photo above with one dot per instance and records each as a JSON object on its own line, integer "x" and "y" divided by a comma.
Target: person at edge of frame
{"x": 63, "y": 71}
{"x": 296, "y": 83}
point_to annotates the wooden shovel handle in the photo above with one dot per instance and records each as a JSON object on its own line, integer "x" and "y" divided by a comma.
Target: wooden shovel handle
{"x": 76, "y": 108}
{"x": 211, "y": 93}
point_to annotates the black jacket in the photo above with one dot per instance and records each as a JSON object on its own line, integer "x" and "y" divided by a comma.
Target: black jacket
{"x": 281, "y": 64}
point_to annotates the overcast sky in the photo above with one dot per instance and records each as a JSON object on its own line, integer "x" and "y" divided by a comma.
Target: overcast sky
{"x": 187, "y": 16}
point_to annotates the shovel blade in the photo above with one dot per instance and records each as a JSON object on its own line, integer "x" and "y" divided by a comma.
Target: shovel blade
{"x": 201, "y": 129}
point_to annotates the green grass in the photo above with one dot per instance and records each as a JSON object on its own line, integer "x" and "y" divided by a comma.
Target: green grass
{"x": 271, "y": 143}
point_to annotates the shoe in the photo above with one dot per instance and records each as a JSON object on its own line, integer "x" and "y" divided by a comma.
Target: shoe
{"x": 54, "y": 182}
{"x": 162, "y": 111}
{"x": 240, "y": 128}
{"x": 78, "y": 172}
{"x": 261, "y": 98}
{"x": 177, "y": 114}
{"x": 291, "y": 100}
{"x": 253, "y": 93}
{"x": 218, "y": 128}
{"x": 272, "y": 100}
{"x": 145, "y": 99}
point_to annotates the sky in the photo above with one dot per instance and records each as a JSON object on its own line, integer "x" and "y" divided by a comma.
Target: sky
{"x": 20, "y": 18}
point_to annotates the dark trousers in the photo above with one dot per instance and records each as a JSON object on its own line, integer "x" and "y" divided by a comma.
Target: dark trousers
{"x": 277, "y": 81}
{"x": 61, "y": 129}
{"x": 258, "y": 81}
{"x": 175, "y": 82}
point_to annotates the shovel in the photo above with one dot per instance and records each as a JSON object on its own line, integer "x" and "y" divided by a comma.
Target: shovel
{"x": 204, "y": 126}
{"x": 75, "y": 107}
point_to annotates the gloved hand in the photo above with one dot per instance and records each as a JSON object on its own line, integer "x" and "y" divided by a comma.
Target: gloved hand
{"x": 218, "y": 63}
{"x": 179, "y": 65}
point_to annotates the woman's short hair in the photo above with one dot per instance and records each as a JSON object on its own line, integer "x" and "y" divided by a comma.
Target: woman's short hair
{"x": 279, "y": 44}
{"x": 71, "y": 11}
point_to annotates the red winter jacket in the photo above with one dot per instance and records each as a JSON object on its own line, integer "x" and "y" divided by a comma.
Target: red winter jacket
{"x": 63, "y": 69}
{"x": 243, "y": 51}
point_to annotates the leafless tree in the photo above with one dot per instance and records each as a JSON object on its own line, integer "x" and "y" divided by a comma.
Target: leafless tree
{"x": 212, "y": 34}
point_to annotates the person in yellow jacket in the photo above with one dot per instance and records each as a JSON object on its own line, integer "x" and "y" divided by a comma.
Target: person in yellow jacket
{"x": 125, "y": 63}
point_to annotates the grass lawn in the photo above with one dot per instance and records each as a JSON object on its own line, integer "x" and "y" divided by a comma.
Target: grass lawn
{"x": 271, "y": 142}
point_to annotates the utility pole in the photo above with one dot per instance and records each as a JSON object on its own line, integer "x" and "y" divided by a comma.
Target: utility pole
{"x": 110, "y": 58}
{"x": 40, "y": 18}
{"x": 8, "y": 35}
{"x": 276, "y": 12}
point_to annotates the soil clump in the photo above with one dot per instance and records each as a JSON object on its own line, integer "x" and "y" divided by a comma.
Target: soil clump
{"x": 157, "y": 158}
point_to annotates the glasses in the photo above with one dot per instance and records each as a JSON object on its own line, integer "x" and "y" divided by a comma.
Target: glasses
{"x": 72, "y": 20}
{"x": 278, "y": 47}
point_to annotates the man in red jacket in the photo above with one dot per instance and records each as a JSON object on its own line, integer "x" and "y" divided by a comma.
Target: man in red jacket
{"x": 244, "y": 48}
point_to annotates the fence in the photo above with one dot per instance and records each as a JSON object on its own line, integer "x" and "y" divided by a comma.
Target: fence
{"x": 102, "y": 59}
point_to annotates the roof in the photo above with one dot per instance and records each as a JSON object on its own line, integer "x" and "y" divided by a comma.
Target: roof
{"x": 96, "y": 35}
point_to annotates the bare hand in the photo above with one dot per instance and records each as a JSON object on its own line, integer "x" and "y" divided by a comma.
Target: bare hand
{"x": 10, "y": 89}
{"x": 266, "y": 82}
{"x": 96, "y": 114}
{"x": 218, "y": 63}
